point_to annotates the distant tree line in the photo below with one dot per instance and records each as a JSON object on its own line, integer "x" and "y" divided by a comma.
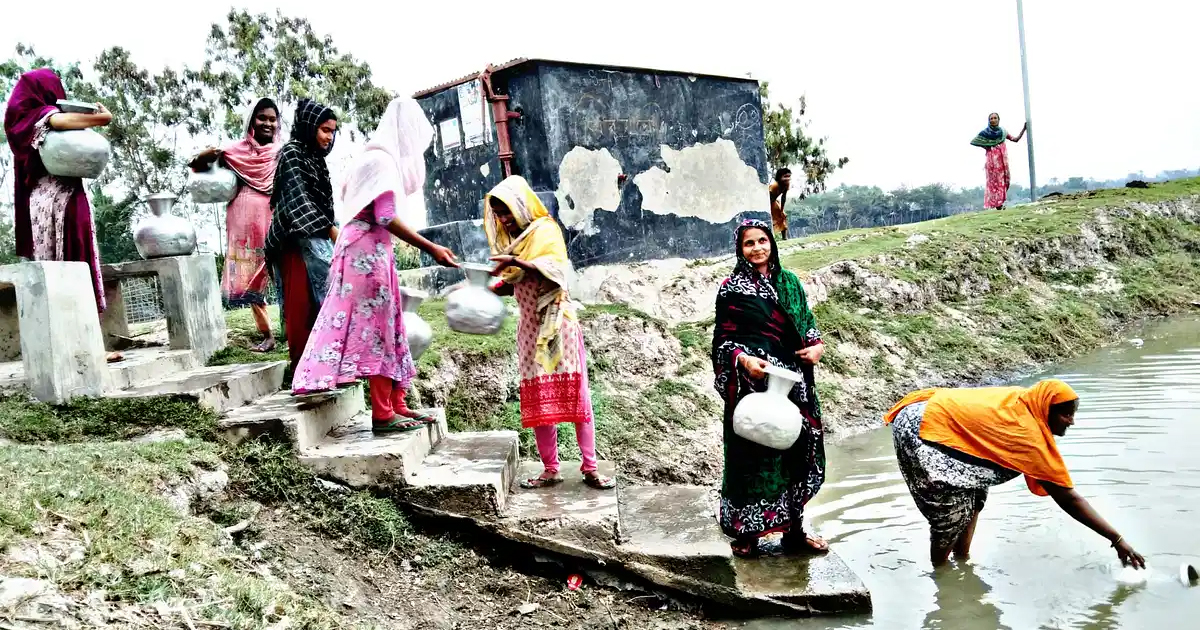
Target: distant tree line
{"x": 850, "y": 206}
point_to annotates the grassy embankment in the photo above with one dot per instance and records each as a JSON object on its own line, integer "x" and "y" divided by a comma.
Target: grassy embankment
{"x": 1005, "y": 290}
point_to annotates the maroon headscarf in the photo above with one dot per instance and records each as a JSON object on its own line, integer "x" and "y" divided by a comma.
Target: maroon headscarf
{"x": 34, "y": 96}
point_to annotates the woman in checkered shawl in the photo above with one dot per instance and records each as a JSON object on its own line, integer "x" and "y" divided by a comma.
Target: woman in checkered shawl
{"x": 300, "y": 240}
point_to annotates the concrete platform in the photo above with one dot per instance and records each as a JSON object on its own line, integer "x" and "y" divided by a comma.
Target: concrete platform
{"x": 468, "y": 474}
{"x": 820, "y": 584}
{"x": 146, "y": 365}
{"x": 674, "y": 528}
{"x": 220, "y": 388}
{"x": 305, "y": 421}
{"x": 570, "y": 512}
{"x": 362, "y": 458}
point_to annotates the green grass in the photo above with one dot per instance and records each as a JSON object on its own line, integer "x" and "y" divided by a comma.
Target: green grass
{"x": 104, "y": 498}
{"x": 22, "y": 420}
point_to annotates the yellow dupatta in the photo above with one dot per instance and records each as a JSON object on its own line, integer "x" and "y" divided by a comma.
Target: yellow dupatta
{"x": 540, "y": 244}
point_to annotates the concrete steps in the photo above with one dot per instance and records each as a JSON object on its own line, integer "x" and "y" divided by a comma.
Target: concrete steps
{"x": 585, "y": 519}
{"x": 304, "y": 420}
{"x": 360, "y": 458}
{"x": 146, "y": 365}
{"x": 220, "y": 388}
{"x": 468, "y": 474}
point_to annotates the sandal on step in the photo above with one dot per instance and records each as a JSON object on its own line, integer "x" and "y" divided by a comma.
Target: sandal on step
{"x": 397, "y": 424}
{"x": 418, "y": 416}
{"x": 595, "y": 480}
{"x": 541, "y": 482}
{"x": 810, "y": 545}
{"x": 746, "y": 550}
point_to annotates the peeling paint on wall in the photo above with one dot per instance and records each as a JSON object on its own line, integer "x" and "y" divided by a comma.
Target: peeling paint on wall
{"x": 707, "y": 181}
{"x": 587, "y": 181}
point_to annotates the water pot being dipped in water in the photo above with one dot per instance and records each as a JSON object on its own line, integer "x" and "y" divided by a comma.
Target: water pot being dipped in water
{"x": 163, "y": 234}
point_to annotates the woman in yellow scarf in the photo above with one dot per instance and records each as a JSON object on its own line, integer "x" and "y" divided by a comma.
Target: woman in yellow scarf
{"x": 954, "y": 444}
{"x": 531, "y": 261}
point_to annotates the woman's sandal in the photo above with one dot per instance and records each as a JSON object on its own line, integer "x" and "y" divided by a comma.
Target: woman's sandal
{"x": 748, "y": 550}
{"x": 812, "y": 545}
{"x": 418, "y": 416}
{"x": 541, "y": 482}
{"x": 398, "y": 424}
{"x": 595, "y": 480}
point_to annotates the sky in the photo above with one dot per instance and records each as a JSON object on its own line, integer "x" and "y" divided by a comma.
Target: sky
{"x": 898, "y": 87}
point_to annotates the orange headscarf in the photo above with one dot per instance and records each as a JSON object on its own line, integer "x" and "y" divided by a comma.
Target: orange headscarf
{"x": 1004, "y": 425}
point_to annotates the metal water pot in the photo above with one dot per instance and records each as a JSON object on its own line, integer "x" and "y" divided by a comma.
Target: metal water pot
{"x": 216, "y": 185}
{"x": 474, "y": 309}
{"x": 75, "y": 153}
{"x": 416, "y": 330}
{"x": 770, "y": 418}
{"x": 163, "y": 234}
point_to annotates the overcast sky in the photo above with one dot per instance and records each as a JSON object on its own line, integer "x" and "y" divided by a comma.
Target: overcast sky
{"x": 898, "y": 87}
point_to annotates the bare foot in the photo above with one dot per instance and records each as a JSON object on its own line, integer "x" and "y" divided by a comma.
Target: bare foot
{"x": 114, "y": 357}
{"x": 267, "y": 345}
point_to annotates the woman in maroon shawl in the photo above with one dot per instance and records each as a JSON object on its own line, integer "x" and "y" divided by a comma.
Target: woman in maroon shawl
{"x": 53, "y": 217}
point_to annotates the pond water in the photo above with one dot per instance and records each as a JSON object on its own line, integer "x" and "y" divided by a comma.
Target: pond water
{"x": 1134, "y": 452}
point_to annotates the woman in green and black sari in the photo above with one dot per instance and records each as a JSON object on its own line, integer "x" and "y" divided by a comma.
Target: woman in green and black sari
{"x": 763, "y": 318}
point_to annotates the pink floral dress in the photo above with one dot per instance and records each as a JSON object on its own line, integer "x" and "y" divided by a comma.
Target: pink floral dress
{"x": 359, "y": 331}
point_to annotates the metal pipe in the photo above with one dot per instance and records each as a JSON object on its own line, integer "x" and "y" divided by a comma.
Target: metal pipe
{"x": 1028, "y": 115}
{"x": 500, "y": 116}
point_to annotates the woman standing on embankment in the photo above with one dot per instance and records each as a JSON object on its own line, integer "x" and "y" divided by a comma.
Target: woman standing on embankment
{"x": 995, "y": 166}
{"x": 531, "y": 257}
{"x": 248, "y": 216}
{"x": 360, "y": 330}
{"x": 762, "y": 319}
{"x": 300, "y": 240}
{"x": 53, "y": 219}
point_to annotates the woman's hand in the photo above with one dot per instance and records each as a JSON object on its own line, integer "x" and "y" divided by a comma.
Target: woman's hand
{"x": 503, "y": 289}
{"x": 443, "y": 256}
{"x": 104, "y": 115}
{"x": 755, "y": 367}
{"x": 811, "y": 354}
{"x": 1128, "y": 556}
{"x": 504, "y": 262}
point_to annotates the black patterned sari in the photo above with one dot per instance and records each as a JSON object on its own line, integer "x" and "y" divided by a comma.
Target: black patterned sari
{"x": 764, "y": 490}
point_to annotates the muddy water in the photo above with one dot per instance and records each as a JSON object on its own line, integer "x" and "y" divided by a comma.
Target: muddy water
{"x": 1134, "y": 453}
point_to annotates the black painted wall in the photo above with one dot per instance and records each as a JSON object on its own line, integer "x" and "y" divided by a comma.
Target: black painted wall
{"x": 632, "y": 113}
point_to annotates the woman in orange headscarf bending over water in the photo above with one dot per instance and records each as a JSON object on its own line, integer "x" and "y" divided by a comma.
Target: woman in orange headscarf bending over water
{"x": 954, "y": 444}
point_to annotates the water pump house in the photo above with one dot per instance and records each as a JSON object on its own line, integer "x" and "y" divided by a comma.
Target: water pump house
{"x": 635, "y": 164}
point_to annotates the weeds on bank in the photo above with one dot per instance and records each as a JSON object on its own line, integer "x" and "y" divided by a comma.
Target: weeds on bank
{"x": 24, "y": 420}
{"x": 89, "y": 517}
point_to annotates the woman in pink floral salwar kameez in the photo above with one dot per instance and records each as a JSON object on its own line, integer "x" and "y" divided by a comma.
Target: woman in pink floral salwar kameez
{"x": 995, "y": 166}
{"x": 359, "y": 332}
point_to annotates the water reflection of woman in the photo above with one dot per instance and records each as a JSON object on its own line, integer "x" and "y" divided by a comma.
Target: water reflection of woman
{"x": 762, "y": 318}
{"x": 952, "y": 445}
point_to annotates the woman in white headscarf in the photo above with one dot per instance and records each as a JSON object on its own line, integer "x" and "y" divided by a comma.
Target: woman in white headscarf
{"x": 359, "y": 332}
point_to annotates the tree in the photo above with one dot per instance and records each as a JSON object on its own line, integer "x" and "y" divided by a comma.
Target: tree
{"x": 789, "y": 145}
{"x": 283, "y": 58}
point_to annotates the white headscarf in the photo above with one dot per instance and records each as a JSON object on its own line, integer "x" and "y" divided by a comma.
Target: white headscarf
{"x": 393, "y": 160}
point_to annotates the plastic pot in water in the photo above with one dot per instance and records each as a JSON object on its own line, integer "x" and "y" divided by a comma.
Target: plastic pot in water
{"x": 474, "y": 309}
{"x": 416, "y": 330}
{"x": 1188, "y": 575}
{"x": 769, "y": 418}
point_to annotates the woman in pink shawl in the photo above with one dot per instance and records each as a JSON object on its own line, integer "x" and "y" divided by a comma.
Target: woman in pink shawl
{"x": 248, "y": 216}
{"x": 359, "y": 332}
{"x": 53, "y": 219}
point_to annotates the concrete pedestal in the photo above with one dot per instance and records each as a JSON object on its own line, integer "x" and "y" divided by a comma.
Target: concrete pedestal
{"x": 48, "y": 317}
{"x": 191, "y": 299}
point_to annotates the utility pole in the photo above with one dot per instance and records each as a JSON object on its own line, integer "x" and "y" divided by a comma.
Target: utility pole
{"x": 1028, "y": 115}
